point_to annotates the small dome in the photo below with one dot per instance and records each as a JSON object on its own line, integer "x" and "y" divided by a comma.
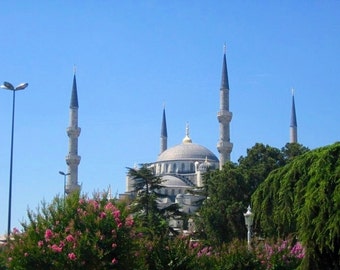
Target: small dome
{"x": 187, "y": 139}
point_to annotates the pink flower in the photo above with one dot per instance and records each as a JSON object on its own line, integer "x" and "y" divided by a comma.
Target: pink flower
{"x": 25, "y": 254}
{"x": 72, "y": 256}
{"x": 114, "y": 261}
{"x": 116, "y": 214}
{"x": 56, "y": 248}
{"x": 94, "y": 203}
{"x": 114, "y": 245}
{"x": 102, "y": 215}
{"x": 48, "y": 234}
{"x": 129, "y": 221}
{"x": 69, "y": 238}
{"x": 110, "y": 207}
{"x": 15, "y": 230}
{"x": 40, "y": 243}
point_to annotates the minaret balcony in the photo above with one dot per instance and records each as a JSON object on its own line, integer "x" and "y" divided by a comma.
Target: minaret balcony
{"x": 72, "y": 160}
{"x": 73, "y": 132}
{"x": 224, "y": 116}
{"x": 223, "y": 147}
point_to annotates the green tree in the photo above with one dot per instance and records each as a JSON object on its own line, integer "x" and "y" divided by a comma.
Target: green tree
{"x": 147, "y": 188}
{"x": 292, "y": 150}
{"x": 229, "y": 190}
{"x": 260, "y": 161}
{"x": 220, "y": 216}
{"x": 302, "y": 198}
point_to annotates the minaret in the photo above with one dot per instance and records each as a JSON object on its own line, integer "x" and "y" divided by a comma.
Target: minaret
{"x": 293, "y": 122}
{"x": 73, "y": 131}
{"x": 224, "y": 116}
{"x": 164, "y": 134}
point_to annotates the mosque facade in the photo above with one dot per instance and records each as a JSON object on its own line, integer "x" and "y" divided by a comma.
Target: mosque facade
{"x": 182, "y": 166}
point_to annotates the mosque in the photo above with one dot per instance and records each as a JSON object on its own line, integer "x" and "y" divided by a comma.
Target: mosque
{"x": 180, "y": 167}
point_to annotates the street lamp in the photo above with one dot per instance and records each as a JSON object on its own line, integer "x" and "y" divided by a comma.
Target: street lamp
{"x": 9, "y": 86}
{"x": 249, "y": 219}
{"x": 64, "y": 174}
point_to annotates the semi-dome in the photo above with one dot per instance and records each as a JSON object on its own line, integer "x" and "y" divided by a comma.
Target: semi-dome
{"x": 187, "y": 151}
{"x": 173, "y": 181}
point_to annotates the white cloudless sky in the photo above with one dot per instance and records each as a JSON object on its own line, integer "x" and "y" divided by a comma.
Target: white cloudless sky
{"x": 134, "y": 56}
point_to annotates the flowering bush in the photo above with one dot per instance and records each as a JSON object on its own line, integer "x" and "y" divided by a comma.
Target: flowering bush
{"x": 80, "y": 233}
{"x": 281, "y": 255}
{"x": 96, "y": 233}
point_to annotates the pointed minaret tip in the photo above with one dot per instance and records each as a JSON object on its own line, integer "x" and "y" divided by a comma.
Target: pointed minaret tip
{"x": 225, "y": 80}
{"x": 164, "y": 132}
{"x": 293, "y": 122}
{"x": 74, "y": 96}
{"x": 74, "y": 69}
{"x": 225, "y": 48}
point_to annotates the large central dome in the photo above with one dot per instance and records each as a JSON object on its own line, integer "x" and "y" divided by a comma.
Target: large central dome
{"x": 187, "y": 151}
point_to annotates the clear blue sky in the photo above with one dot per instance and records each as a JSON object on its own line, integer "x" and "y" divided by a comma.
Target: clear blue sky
{"x": 134, "y": 56}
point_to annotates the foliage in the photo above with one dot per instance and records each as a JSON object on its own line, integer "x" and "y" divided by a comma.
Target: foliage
{"x": 229, "y": 190}
{"x": 303, "y": 198}
{"x": 292, "y": 150}
{"x": 146, "y": 187}
{"x": 220, "y": 215}
{"x": 98, "y": 233}
{"x": 80, "y": 233}
{"x": 260, "y": 161}
{"x": 152, "y": 219}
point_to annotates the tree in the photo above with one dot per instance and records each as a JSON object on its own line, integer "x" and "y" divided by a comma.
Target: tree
{"x": 229, "y": 190}
{"x": 260, "y": 161}
{"x": 292, "y": 150}
{"x": 302, "y": 198}
{"x": 146, "y": 187}
{"x": 220, "y": 216}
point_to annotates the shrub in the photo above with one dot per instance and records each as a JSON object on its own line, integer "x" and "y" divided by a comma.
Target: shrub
{"x": 79, "y": 233}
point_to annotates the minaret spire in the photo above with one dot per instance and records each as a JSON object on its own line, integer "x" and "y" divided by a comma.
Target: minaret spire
{"x": 164, "y": 133}
{"x": 224, "y": 116}
{"x": 73, "y": 132}
{"x": 293, "y": 122}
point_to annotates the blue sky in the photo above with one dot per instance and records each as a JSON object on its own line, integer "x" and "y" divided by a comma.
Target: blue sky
{"x": 134, "y": 56}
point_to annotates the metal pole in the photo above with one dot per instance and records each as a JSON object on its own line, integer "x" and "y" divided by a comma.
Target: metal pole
{"x": 64, "y": 186}
{"x": 249, "y": 237}
{"x": 11, "y": 171}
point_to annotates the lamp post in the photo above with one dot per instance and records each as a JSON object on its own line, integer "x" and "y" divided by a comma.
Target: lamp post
{"x": 64, "y": 174}
{"x": 249, "y": 219}
{"x": 9, "y": 86}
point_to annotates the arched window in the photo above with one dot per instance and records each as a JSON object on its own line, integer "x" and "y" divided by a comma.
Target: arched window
{"x": 175, "y": 167}
{"x": 182, "y": 167}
